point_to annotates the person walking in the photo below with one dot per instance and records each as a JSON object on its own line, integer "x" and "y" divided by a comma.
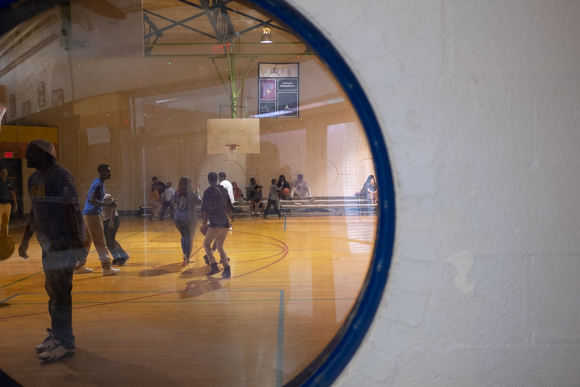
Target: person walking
{"x": 230, "y": 188}
{"x": 168, "y": 202}
{"x": 186, "y": 200}
{"x": 215, "y": 224}
{"x": 92, "y": 216}
{"x": 111, "y": 224}
{"x": 273, "y": 200}
{"x": 8, "y": 203}
{"x": 56, "y": 218}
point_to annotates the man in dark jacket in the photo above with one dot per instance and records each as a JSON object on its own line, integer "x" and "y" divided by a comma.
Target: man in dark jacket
{"x": 215, "y": 223}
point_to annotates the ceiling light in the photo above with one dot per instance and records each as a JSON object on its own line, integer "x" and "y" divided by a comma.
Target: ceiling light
{"x": 266, "y": 37}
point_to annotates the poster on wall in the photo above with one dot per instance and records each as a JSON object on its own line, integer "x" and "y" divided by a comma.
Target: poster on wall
{"x": 98, "y": 135}
{"x": 278, "y": 89}
{"x": 57, "y": 97}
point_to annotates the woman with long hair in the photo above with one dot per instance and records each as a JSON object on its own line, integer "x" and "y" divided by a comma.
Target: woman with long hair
{"x": 186, "y": 200}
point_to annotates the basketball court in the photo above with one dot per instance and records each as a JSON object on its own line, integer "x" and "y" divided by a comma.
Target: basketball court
{"x": 159, "y": 323}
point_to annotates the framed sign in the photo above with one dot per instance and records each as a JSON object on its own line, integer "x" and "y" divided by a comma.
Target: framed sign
{"x": 278, "y": 89}
{"x": 25, "y": 108}
{"x": 268, "y": 89}
{"x": 57, "y": 97}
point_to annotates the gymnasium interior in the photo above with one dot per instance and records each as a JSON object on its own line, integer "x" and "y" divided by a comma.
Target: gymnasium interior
{"x": 166, "y": 89}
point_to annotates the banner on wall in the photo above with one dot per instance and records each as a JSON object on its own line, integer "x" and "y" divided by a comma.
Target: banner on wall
{"x": 98, "y": 135}
{"x": 278, "y": 89}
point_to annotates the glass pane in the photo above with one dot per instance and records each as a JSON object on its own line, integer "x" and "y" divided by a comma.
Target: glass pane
{"x": 165, "y": 94}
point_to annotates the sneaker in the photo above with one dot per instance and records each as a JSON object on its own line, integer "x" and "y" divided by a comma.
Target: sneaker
{"x": 49, "y": 341}
{"x": 55, "y": 351}
{"x": 206, "y": 259}
{"x": 227, "y": 272}
{"x": 83, "y": 270}
{"x": 265, "y": 217}
{"x": 231, "y": 228}
{"x": 187, "y": 260}
{"x": 110, "y": 271}
{"x": 213, "y": 270}
{"x": 123, "y": 261}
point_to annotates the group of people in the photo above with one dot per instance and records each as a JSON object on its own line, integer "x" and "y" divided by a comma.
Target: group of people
{"x": 280, "y": 189}
{"x": 216, "y": 203}
{"x": 65, "y": 233}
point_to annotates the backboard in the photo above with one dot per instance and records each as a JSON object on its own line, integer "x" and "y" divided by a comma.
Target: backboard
{"x": 242, "y": 131}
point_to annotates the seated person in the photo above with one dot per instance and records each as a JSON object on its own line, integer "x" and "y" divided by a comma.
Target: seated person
{"x": 300, "y": 188}
{"x": 238, "y": 196}
{"x": 372, "y": 191}
{"x": 250, "y": 188}
{"x": 363, "y": 192}
{"x": 283, "y": 185}
{"x": 155, "y": 202}
{"x": 256, "y": 201}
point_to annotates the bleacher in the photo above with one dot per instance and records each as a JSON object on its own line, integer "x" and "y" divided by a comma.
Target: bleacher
{"x": 318, "y": 205}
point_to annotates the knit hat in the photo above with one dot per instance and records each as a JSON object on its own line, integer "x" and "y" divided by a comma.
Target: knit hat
{"x": 45, "y": 146}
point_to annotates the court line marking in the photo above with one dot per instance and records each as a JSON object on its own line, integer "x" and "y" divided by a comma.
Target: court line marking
{"x": 280, "y": 342}
{"x": 9, "y": 298}
{"x": 22, "y": 279}
{"x": 201, "y": 301}
{"x": 286, "y": 251}
{"x": 32, "y": 275}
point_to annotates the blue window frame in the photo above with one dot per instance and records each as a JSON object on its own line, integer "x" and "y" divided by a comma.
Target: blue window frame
{"x": 324, "y": 370}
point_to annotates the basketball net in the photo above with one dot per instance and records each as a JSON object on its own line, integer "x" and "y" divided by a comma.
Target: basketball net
{"x": 231, "y": 151}
{"x": 33, "y": 71}
{"x": 2, "y": 111}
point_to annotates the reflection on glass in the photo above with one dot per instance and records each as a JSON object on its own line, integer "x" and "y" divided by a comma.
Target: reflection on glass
{"x": 167, "y": 117}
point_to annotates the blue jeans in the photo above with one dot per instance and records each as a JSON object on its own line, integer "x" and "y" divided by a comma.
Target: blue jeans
{"x": 187, "y": 230}
{"x": 58, "y": 285}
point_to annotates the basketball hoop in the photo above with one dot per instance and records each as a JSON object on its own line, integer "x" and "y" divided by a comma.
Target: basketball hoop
{"x": 32, "y": 71}
{"x": 231, "y": 151}
{"x": 2, "y": 111}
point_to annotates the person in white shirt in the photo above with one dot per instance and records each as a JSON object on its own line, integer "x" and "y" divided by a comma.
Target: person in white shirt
{"x": 228, "y": 186}
{"x": 167, "y": 196}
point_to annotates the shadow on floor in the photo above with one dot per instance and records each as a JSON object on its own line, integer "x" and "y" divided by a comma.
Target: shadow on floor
{"x": 161, "y": 270}
{"x": 198, "y": 288}
{"x": 98, "y": 371}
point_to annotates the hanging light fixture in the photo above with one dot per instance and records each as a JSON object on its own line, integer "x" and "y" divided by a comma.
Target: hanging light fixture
{"x": 266, "y": 37}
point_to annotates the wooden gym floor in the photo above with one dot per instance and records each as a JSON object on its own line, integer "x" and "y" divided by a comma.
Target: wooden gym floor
{"x": 162, "y": 324}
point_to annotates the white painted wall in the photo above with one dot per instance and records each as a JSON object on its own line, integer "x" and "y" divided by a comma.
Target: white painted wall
{"x": 480, "y": 105}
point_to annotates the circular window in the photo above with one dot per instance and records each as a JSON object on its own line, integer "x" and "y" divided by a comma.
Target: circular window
{"x": 186, "y": 113}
